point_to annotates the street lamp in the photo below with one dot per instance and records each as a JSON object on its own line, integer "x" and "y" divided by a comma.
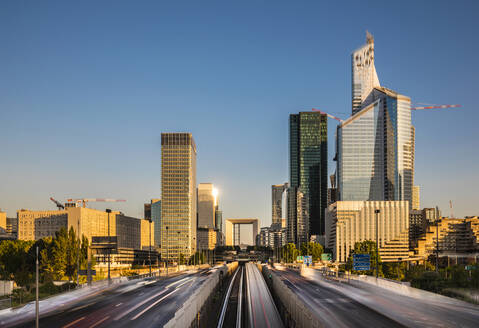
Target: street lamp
{"x": 178, "y": 262}
{"x": 377, "y": 242}
{"x": 167, "y": 251}
{"x": 149, "y": 252}
{"x": 108, "y": 211}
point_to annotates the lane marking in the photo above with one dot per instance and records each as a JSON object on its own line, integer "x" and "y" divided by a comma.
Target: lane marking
{"x": 73, "y": 322}
{"x": 177, "y": 282}
{"x": 98, "y": 322}
{"x": 81, "y": 307}
{"x": 118, "y": 304}
{"x": 140, "y": 304}
{"x": 152, "y": 305}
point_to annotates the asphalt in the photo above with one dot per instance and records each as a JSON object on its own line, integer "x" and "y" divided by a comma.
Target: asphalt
{"x": 263, "y": 312}
{"x": 341, "y": 305}
{"x": 150, "y": 304}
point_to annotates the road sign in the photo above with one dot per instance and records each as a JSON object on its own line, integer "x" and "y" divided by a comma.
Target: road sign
{"x": 469, "y": 267}
{"x": 361, "y": 262}
{"x": 85, "y": 272}
{"x": 326, "y": 257}
{"x": 299, "y": 258}
{"x": 308, "y": 260}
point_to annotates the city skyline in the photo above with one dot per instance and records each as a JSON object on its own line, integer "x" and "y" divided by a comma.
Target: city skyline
{"x": 83, "y": 134}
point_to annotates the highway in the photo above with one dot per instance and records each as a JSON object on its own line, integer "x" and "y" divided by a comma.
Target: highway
{"x": 342, "y": 305}
{"x": 261, "y": 308}
{"x": 143, "y": 304}
{"x": 333, "y": 309}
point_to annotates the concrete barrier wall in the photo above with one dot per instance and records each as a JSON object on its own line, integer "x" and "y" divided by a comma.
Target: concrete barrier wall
{"x": 188, "y": 312}
{"x": 301, "y": 315}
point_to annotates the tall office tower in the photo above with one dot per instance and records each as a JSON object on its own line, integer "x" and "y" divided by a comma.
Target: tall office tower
{"x": 155, "y": 215}
{"x": 375, "y": 150}
{"x": 364, "y": 76}
{"x": 416, "y": 198}
{"x": 178, "y": 195}
{"x": 277, "y": 203}
{"x": 3, "y": 220}
{"x": 206, "y": 206}
{"x": 308, "y": 165}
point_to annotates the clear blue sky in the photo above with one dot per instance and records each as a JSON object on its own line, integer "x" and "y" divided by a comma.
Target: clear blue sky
{"x": 86, "y": 88}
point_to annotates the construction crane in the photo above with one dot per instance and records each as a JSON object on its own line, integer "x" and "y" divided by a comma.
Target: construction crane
{"x": 86, "y": 200}
{"x": 58, "y": 204}
{"x": 328, "y": 115}
{"x": 435, "y": 107}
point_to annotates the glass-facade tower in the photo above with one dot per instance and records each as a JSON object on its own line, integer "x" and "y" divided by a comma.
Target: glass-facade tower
{"x": 178, "y": 195}
{"x": 375, "y": 150}
{"x": 308, "y": 164}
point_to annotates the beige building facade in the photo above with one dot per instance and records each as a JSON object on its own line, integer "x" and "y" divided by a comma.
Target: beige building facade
{"x": 131, "y": 232}
{"x": 416, "y": 198}
{"x": 456, "y": 236}
{"x": 348, "y": 222}
{"x": 34, "y": 225}
{"x": 3, "y": 221}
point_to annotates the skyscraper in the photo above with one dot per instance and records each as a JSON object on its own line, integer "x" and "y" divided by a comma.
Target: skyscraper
{"x": 206, "y": 206}
{"x": 308, "y": 164}
{"x": 364, "y": 76}
{"x": 155, "y": 215}
{"x": 178, "y": 195}
{"x": 375, "y": 146}
{"x": 277, "y": 203}
{"x": 416, "y": 198}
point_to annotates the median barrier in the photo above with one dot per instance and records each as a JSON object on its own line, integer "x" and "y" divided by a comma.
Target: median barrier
{"x": 190, "y": 309}
{"x": 296, "y": 312}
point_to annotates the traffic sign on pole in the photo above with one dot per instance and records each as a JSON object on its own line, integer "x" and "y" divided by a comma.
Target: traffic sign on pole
{"x": 361, "y": 262}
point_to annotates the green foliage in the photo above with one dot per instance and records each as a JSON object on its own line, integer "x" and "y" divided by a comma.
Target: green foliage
{"x": 58, "y": 257}
{"x": 394, "y": 270}
{"x": 365, "y": 247}
{"x": 16, "y": 262}
{"x": 313, "y": 249}
{"x": 197, "y": 258}
{"x": 290, "y": 253}
{"x": 182, "y": 259}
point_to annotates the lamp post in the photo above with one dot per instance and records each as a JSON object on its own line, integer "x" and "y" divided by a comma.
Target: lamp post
{"x": 149, "y": 251}
{"x": 377, "y": 242}
{"x": 178, "y": 262}
{"x": 37, "y": 308}
{"x": 108, "y": 211}
{"x": 437, "y": 246}
{"x": 167, "y": 251}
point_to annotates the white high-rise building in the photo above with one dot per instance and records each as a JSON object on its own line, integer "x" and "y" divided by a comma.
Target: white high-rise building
{"x": 364, "y": 76}
{"x": 375, "y": 146}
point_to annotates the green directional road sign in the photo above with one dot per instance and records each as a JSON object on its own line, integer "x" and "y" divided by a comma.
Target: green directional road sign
{"x": 326, "y": 257}
{"x": 469, "y": 267}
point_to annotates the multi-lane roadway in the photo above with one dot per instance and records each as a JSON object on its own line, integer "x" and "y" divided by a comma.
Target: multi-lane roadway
{"x": 342, "y": 305}
{"x": 143, "y": 304}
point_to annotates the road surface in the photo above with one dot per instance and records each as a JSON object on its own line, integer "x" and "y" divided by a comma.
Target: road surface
{"x": 148, "y": 304}
{"x": 343, "y": 305}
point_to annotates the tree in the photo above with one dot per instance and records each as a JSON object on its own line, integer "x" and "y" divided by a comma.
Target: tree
{"x": 365, "y": 247}
{"x": 72, "y": 254}
{"x": 15, "y": 261}
{"x": 290, "y": 253}
{"x": 181, "y": 259}
{"x": 313, "y": 249}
